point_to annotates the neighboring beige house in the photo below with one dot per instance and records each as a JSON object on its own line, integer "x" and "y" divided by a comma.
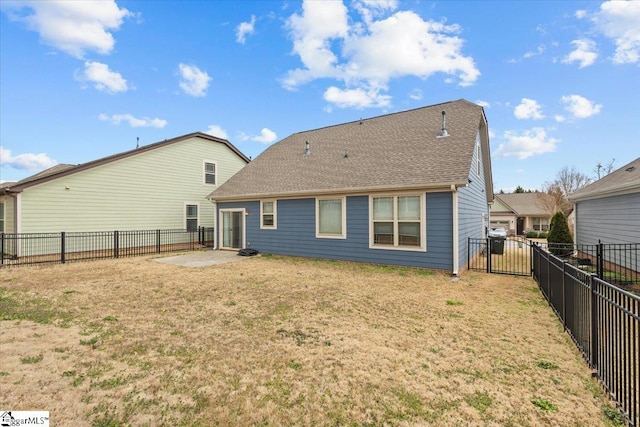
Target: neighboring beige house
{"x": 519, "y": 213}
{"x": 157, "y": 186}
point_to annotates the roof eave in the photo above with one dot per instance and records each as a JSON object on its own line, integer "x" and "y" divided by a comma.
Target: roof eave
{"x": 630, "y": 188}
{"x": 354, "y": 191}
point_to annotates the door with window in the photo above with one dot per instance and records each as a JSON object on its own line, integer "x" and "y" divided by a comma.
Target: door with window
{"x": 232, "y": 229}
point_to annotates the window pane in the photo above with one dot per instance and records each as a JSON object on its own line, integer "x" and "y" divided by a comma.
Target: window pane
{"x": 210, "y": 167}
{"x": 383, "y": 233}
{"x": 267, "y": 207}
{"x": 330, "y": 216}
{"x": 409, "y": 208}
{"x": 210, "y": 179}
{"x": 192, "y": 224}
{"x": 409, "y": 233}
{"x": 192, "y": 211}
{"x": 267, "y": 220}
{"x": 383, "y": 208}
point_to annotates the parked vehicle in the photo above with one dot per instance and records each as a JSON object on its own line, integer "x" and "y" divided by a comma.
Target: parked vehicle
{"x": 498, "y": 232}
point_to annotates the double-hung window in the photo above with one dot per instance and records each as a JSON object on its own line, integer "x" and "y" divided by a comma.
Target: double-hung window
{"x": 210, "y": 173}
{"x": 191, "y": 217}
{"x": 331, "y": 218}
{"x": 397, "y": 222}
{"x": 268, "y": 212}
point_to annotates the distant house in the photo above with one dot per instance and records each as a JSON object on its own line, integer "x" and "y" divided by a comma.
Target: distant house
{"x": 157, "y": 186}
{"x": 519, "y": 213}
{"x": 406, "y": 189}
{"x": 609, "y": 209}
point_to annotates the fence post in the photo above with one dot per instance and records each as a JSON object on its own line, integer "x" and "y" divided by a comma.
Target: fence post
{"x": 116, "y": 244}
{"x": 2, "y": 250}
{"x": 157, "y": 241}
{"x": 564, "y": 293}
{"x": 62, "y": 238}
{"x": 488, "y": 255}
{"x": 594, "y": 326}
{"x": 599, "y": 255}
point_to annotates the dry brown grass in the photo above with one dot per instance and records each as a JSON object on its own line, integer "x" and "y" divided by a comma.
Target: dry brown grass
{"x": 285, "y": 341}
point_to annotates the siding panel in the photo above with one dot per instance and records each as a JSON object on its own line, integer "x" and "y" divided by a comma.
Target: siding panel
{"x": 145, "y": 191}
{"x": 295, "y": 233}
{"x": 613, "y": 219}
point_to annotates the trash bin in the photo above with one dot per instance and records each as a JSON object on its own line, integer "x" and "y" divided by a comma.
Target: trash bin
{"x": 497, "y": 245}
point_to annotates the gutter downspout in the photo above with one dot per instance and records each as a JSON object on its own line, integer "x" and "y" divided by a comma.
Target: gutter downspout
{"x": 456, "y": 255}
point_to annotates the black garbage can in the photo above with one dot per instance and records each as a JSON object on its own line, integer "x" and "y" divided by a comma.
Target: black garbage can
{"x": 497, "y": 245}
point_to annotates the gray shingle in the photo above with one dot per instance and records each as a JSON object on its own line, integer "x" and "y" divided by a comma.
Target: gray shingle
{"x": 393, "y": 151}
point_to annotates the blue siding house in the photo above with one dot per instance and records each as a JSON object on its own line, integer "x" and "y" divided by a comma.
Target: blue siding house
{"x": 405, "y": 189}
{"x": 609, "y": 209}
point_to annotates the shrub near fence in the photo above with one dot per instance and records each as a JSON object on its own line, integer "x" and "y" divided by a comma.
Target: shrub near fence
{"x": 604, "y": 322}
{"x": 37, "y": 248}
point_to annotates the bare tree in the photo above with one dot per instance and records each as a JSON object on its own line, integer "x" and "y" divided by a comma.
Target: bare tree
{"x": 604, "y": 170}
{"x": 553, "y": 197}
{"x": 570, "y": 180}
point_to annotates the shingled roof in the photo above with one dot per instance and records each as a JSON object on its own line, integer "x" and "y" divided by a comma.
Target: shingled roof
{"x": 621, "y": 181}
{"x": 389, "y": 152}
{"x": 523, "y": 204}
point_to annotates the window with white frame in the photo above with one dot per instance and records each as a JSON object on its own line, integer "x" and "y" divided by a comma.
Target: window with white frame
{"x": 397, "y": 221}
{"x": 540, "y": 224}
{"x": 331, "y": 219}
{"x": 210, "y": 173}
{"x": 191, "y": 217}
{"x": 268, "y": 212}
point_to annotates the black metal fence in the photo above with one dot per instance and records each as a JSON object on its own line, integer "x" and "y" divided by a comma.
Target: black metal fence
{"x": 602, "y": 319}
{"x": 618, "y": 264}
{"x": 500, "y": 255}
{"x": 39, "y": 248}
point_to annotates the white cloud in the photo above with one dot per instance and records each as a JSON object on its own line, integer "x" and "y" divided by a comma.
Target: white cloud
{"x": 28, "y": 161}
{"x": 134, "y": 122}
{"x": 216, "y": 130}
{"x": 559, "y": 118}
{"x": 357, "y": 98}
{"x": 580, "y": 107}
{"x": 580, "y": 14}
{"x": 267, "y": 136}
{"x": 528, "y": 109}
{"x": 539, "y": 51}
{"x": 585, "y": 53}
{"x": 416, "y": 94}
{"x": 365, "y": 55}
{"x": 619, "y": 21}
{"x": 102, "y": 78}
{"x": 245, "y": 28}
{"x": 193, "y": 81}
{"x": 482, "y": 103}
{"x": 74, "y": 27}
{"x": 530, "y": 143}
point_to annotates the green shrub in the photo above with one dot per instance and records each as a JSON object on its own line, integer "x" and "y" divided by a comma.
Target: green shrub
{"x": 532, "y": 234}
{"x": 559, "y": 238}
{"x": 543, "y": 235}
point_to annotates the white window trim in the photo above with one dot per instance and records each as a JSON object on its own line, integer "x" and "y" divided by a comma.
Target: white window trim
{"x": 204, "y": 172}
{"x": 344, "y": 218}
{"x": 275, "y": 215}
{"x": 184, "y": 213}
{"x": 423, "y": 223}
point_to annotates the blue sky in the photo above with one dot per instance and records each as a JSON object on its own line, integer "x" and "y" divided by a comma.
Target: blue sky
{"x": 560, "y": 81}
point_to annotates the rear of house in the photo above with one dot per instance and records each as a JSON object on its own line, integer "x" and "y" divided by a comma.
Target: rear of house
{"x": 405, "y": 189}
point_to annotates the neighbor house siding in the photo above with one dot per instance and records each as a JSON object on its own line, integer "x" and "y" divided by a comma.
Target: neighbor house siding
{"x": 611, "y": 219}
{"x": 9, "y": 216}
{"x": 146, "y": 191}
{"x": 295, "y": 234}
{"x": 472, "y": 209}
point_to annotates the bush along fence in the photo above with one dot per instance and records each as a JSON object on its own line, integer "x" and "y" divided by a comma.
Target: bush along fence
{"x": 602, "y": 319}
{"x": 39, "y": 248}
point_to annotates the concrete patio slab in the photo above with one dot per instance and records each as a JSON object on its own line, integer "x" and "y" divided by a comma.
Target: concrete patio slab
{"x": 202, "y": 259}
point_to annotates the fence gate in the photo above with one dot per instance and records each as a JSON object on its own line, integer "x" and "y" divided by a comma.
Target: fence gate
{"x": 501, "y": 256}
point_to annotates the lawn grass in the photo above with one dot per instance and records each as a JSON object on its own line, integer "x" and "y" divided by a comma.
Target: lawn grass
{"x": 287, "y": 341}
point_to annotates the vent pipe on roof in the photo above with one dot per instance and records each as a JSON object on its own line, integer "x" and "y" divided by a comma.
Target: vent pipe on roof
{"x": 307, "y": 150}
{"x": 137, "y": 141}
{"x": 443, "y": 132}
